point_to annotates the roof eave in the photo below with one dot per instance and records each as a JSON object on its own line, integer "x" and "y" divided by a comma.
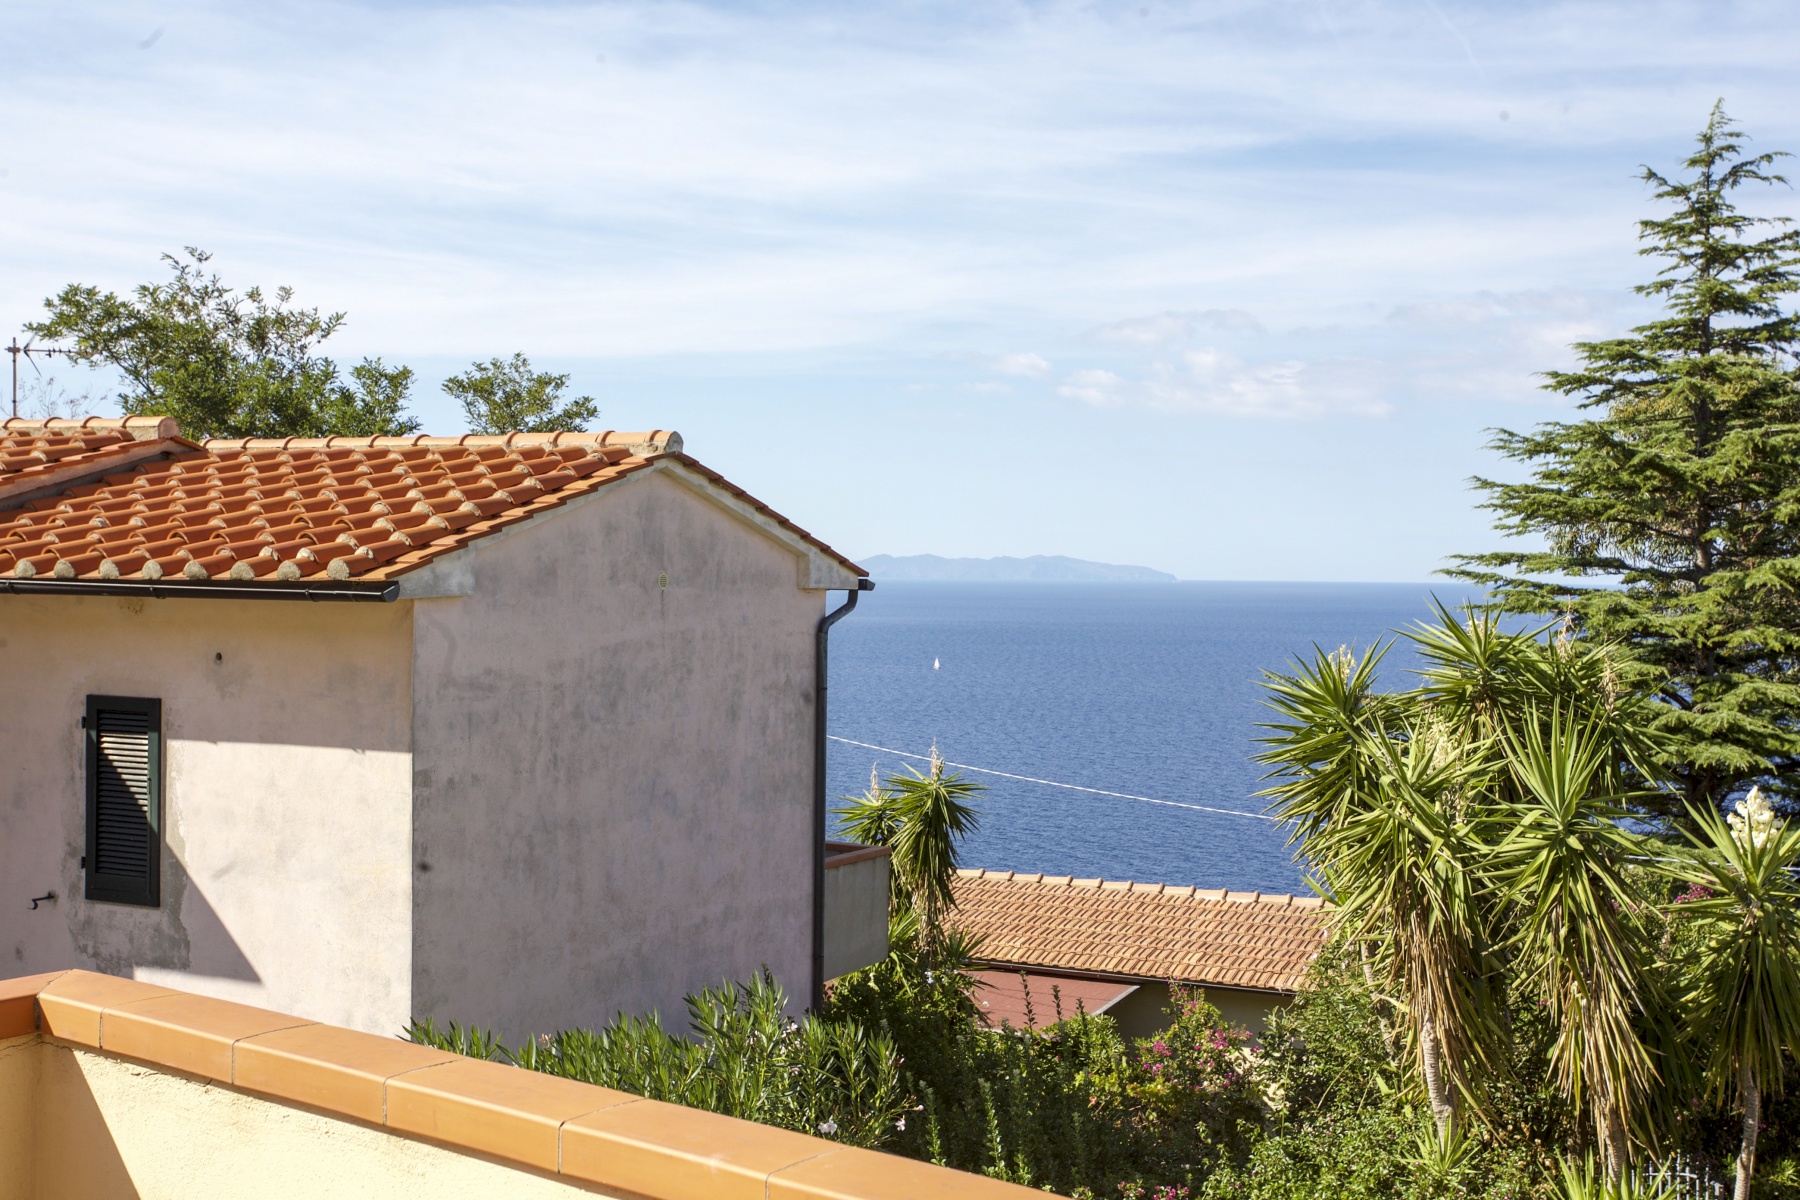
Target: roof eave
{"x": 1117, "y": 977}
{"x": 823, "y": 569}
{"x": 207, "y": 589}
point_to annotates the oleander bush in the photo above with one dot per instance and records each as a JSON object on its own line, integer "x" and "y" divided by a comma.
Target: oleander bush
{"x": 744, "y": 1056}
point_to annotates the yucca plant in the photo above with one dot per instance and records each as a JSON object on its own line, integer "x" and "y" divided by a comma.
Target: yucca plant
{"x": 1402, "y": 869}
{"x": 1583, "y": 1180}
{"x": 1324, "y": 713}
{"x": 1486, "y": 682}
{"x": 1389, "y": 815}
{"x": 921, "y": 816}
{"x": 1562, "y": 865}
{"x": 1467, "y": 830}
{"x": 1743, "y": 968}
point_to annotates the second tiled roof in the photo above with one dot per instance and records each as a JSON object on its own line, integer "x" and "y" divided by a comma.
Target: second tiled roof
{"x": 1141, "y": 931}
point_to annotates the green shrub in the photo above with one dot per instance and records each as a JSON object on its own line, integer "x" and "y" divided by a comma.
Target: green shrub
{"x": 1016, "y": 1104}
{"x": 1345, "y": 1121}
{"x": 745, "y": 1058}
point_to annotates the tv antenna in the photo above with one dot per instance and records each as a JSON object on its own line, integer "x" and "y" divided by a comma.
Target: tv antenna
{"x": 28, "y": 350}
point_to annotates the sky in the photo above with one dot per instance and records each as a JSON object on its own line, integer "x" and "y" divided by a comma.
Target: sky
{"x": 1232, "y": 290}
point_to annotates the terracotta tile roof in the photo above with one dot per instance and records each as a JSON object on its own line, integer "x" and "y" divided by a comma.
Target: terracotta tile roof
{"x": 131, "y": 499}
{"x": 1001, "y": 997}
{"x": 39, "y": 454}
{"x": 1143, "y": 931}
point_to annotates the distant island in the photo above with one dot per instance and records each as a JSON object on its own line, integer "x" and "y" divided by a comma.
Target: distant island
{"x": 1039, "y": 568}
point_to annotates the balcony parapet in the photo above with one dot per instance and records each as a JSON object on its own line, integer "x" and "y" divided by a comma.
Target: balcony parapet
{"x": 113, "y": 1087}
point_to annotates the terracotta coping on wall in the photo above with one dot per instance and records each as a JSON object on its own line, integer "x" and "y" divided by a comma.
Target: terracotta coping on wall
{"x": 842, "y": 854}
{"x": 587, "y": 1134}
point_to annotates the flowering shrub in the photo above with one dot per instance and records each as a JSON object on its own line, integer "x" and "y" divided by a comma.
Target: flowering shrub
{"x": 1694, "y": 891}
{"x": 1190, "y": 1090}
{"x": 1131, "y": 1189}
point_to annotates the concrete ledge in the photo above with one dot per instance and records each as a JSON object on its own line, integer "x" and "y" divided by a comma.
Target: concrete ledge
{"x": 844, "y": 854}
{"x": 590, "y": 1136}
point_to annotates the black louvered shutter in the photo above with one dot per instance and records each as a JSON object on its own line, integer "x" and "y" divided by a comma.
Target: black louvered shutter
{"x": 124, "y": 800}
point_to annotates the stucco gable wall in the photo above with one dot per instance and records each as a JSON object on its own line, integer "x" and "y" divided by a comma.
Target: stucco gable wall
{"x": 613, "y": 779}
{"x": 286, "y": 862}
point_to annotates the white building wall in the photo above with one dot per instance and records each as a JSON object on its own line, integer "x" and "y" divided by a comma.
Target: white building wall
{"x": 286, "y": 876}
{"x": 613, "y": 778}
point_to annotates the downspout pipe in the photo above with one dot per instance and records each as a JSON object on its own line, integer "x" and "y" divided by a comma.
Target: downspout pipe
{"x": 821, "y": 682}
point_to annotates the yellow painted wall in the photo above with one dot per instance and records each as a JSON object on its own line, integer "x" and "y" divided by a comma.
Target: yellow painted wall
{"x": 19, "y": 1059}
{"x": 100, "y": 1128}
{"x": 1148, "y": 1011}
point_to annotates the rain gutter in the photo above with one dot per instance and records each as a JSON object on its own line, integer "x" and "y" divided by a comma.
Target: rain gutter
{"x": 206, "y": 590}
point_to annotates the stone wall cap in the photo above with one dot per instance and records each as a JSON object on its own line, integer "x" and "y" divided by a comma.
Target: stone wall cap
{"x": 586, "y": 1134}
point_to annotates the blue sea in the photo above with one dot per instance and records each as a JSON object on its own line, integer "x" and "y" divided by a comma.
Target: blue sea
{"x": 1153, "y": 690}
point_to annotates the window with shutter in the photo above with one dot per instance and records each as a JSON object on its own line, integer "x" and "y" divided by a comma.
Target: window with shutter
{"x": 124, "y": 800}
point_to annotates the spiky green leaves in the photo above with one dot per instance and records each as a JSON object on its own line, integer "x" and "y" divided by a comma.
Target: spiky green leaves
{"x": 1470, "y": 831}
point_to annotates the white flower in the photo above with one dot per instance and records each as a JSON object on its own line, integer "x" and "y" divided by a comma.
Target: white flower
{"x": 827, "y": 1127}
{"x": 1754, "y": 820}
{"x": 900, "y": 1124}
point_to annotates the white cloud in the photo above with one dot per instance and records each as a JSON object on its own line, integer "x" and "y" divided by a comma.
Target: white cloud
{"x": 1100, "y": 388}
{"x": 1493, "y": 346}
{"x": 1026, "y": 365}
{"x": 1211, "y": 381}
{"x": 697, "y": 178}
{"x": 1174, "y": 327}
{"x": 1469, "y": 347}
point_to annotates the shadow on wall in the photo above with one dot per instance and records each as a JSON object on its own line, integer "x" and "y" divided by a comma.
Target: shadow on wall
{"x": 75, "y": 1152}
{"x": 186, "y": 934}
{"x": 211, "y": 948}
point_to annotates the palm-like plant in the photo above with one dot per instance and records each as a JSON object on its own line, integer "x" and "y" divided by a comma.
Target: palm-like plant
{"x": 1486, "y": 682}
{"x": 1388, "y": 814}
{"x": 1576, "y": 947}
{"x": 1570, "y": 727}
{"x": 1743, "y": 971}
{"x": 874, "y": 819}
{"x": 1470, "y": 824}
{"x": 935, "y": 814}
{"x": 1401, "y": 867}
{"x": 1582, "y": 1181}
{"x": 1325, "y": 712}
{"x": 921, "y": 817}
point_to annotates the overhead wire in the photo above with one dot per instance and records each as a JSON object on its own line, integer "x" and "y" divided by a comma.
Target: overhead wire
{"x": 1073, "y": 787}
